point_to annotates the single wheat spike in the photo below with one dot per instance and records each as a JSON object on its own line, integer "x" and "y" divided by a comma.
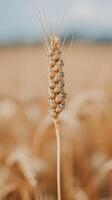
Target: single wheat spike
{"x": 56, "y": 95}
{"x": 55, "y": 79}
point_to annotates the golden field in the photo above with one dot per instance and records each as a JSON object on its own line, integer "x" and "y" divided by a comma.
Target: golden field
{"x": 27, "y": 135}
{"x": 23, "y": 70}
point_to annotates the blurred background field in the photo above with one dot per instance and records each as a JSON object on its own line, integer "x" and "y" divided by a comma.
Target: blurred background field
{"x": 27, "y": 136}
{"x": 23, "y": 70}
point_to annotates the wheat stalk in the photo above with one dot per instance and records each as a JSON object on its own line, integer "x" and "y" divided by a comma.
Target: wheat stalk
{"x": 55, "y": 88}
{"x": 30, "y": 166}
{"x": 56, "y": 96}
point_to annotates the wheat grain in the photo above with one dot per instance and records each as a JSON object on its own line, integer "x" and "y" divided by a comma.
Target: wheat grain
{"x": 55, "y": 79}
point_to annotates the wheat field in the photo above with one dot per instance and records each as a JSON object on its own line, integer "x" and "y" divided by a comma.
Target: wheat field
{"x": 27, "y": 138}
{"x": 24, "y": 69}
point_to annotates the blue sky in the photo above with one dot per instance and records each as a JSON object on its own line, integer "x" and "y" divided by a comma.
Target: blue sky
{"x": 88, "y": 18}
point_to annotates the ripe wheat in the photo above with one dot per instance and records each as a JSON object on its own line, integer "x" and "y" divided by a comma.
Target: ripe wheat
{"x": 55, "y": 79}
{"x": 56, "y": 95}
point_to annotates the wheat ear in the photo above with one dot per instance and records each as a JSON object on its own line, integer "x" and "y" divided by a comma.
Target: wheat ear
{"x": 56, "y": 96}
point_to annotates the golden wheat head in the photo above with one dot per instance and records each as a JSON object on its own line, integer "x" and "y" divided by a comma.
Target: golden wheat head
{"x": 56, "y": 91}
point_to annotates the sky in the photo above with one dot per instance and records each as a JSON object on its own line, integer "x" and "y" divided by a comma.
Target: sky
{"x": 19, "y": 19}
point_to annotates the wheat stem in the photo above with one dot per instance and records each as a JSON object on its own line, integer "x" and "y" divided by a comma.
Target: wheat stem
{"x": 58, "y": 152}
